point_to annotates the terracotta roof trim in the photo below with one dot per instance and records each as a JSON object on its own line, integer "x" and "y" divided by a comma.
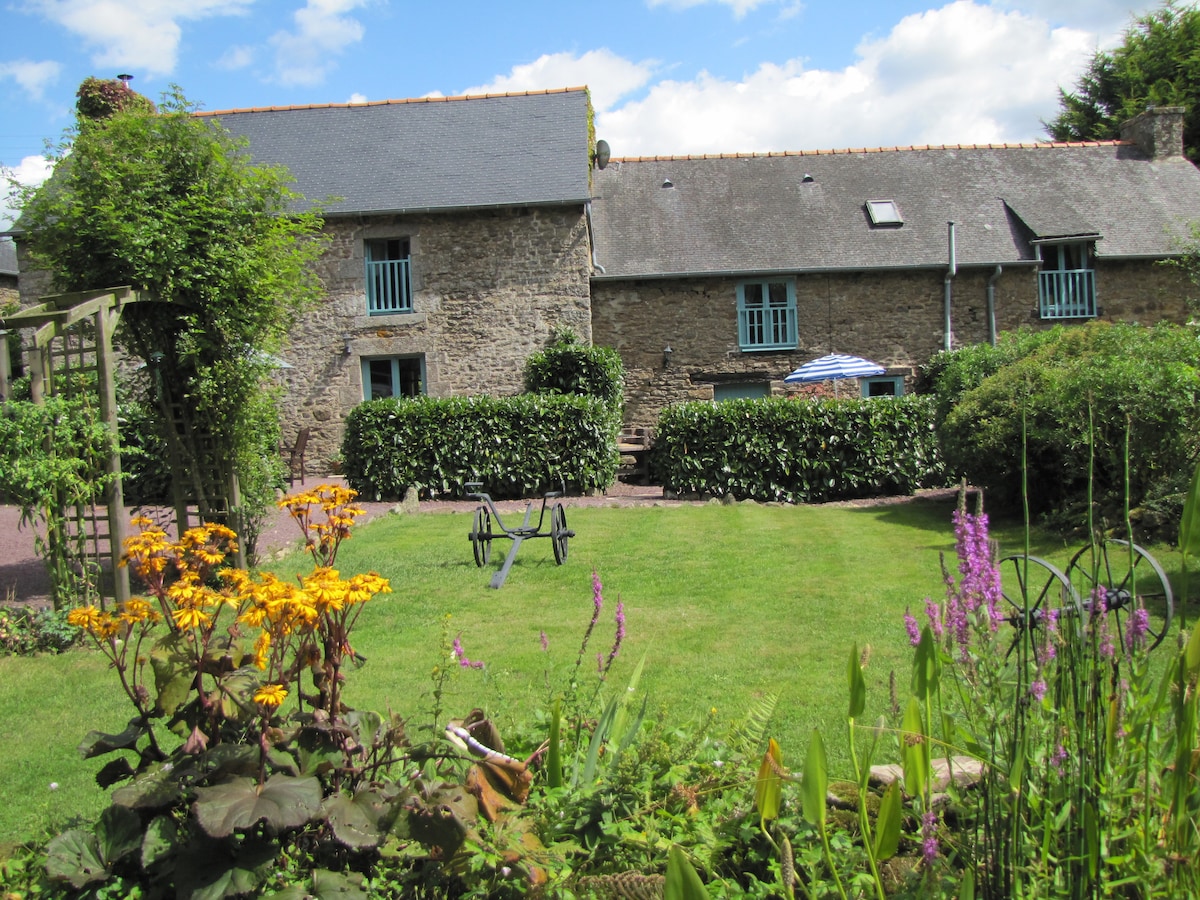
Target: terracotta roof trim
{"x": 257, "y": 109}
{"x": 1049, "y": 145}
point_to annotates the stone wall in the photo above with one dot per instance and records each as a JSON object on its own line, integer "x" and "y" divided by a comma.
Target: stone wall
{"x": 894, "y": 318}
{"x": 488, "y": 288}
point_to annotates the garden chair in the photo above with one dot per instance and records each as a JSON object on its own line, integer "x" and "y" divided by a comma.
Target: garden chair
{"x": 295, "y": 456}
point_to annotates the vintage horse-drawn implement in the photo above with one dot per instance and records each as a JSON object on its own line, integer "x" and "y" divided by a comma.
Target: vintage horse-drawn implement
{"x": 1112, "y": 576}
{"x": 481, "y": 534}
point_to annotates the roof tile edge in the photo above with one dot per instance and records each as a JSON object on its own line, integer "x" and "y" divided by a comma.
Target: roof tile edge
{"x": 1047, "y": 145}
{"x": 258, "y": 109}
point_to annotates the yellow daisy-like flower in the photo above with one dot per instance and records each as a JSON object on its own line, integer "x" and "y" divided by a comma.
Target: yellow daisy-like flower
{"x": 84, "y": 617}
{"x": 271, "y": 695}
{"x": 138, "y": 610}
{"x": 187, "y": 617}
{"x": 262, "y": 649}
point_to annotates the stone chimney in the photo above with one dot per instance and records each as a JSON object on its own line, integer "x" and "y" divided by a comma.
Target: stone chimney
{"x": 1158, "y": 131}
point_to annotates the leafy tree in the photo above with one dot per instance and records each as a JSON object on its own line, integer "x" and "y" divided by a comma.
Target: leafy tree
{"x": 170, "y": 203}
{"x": 1157, "y": 64}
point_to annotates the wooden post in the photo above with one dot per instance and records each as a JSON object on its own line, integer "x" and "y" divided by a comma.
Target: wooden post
{"x": 5, "y": 368}
{"x": 106, "y": 321}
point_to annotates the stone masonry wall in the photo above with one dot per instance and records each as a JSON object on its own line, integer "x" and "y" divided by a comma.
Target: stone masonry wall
{"x": 488, "y": 288}
{"x": 894, "y": 318}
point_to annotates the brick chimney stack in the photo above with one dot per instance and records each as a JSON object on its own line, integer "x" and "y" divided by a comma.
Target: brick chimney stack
{"x": 1158, "y": 131}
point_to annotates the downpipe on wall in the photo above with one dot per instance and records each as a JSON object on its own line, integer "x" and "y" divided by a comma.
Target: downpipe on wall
{"x": 950, "y": 273}
{"x": 991, "y": 304}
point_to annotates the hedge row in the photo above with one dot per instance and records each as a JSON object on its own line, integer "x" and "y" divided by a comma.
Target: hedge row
{"x": 806, "y": 451}
{"x": 516, "y": 446}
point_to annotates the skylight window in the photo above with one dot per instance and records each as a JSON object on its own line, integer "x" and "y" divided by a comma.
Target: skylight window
{"x": 884, "y": 212}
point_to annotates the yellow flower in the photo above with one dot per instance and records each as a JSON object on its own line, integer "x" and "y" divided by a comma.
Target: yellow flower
{"x": 187, "y": 617}
{"x": 262, "y": 649}
{"x": 271, "y": 695}
{"x": 138, "y": 610}
{"x": 83, "y": 617}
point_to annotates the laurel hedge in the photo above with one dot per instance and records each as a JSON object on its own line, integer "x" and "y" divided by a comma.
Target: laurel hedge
{"x": 516, "y": 446}
{"x": 798, "y": 451}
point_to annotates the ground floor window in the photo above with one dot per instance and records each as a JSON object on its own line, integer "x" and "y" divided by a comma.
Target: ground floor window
{"x": 883, "y": 386}
{"x": 742, "y": 390}
{"x": 393, "y": 376}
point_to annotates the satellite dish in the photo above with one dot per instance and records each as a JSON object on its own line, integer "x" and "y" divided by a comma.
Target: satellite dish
{"x": 603, "y": 154}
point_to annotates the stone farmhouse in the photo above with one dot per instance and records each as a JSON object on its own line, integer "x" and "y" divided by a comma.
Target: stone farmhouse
{"x": 465, "y": 230}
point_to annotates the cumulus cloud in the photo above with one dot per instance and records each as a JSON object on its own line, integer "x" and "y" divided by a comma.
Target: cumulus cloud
{"x": 965, "y": 73}
{"x": 133, "y": 34}
{"x": 323, "y": 29}
{"x": 34, "y": 77}
{"x": 237, "y": 57}
{"x": 31, "y": 171}
{"x": 609, "y": 76}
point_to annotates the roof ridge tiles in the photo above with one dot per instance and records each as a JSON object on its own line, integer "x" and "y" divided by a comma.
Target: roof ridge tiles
{"x": 397, "y": 102}
{"x": 846, "y": 151}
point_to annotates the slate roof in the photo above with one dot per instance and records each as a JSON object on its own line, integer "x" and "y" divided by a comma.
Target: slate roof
{"x": 396, "y": 156}
{"x": 743, "y": 214}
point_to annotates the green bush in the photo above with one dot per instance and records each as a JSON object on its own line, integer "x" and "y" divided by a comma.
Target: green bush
{"x": 569, "y": 367}
{"x": 1073, "y": 399}
{"x": 515, "y": 446}
{"x": 797, "y": 451}
{"x": 24, "y": 631}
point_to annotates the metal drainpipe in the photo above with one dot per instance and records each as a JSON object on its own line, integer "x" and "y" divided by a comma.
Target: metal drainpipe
{"x": 950, "y": 273}
{"x": 991, "y": 304}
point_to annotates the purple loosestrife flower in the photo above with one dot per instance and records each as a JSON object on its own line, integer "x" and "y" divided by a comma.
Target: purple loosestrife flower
{"x": 545, "y": 642}
{"x": 1139, "y": 626}
{"x": 910, "y": 625}
{"x": 929, "y": 841}
{"x": 1037, "y": 690}
{"x": 618, "y": 638}
{"x": 934, "y": 612}
{"x": 461, "y": 656}
{"x": 1058, "y": 759}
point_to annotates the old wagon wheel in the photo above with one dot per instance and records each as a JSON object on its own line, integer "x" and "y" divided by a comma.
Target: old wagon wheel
{"x": 559, "y": 534}
{"x": 481, "y": 536}
{"x": 1119, "y": 574}
{"x": 1031, "y": 587}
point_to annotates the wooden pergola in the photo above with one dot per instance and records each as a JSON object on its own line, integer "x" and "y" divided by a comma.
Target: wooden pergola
{"x": 73, "y": 334}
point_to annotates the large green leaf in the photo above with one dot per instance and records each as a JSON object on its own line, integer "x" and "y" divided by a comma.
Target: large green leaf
{"x": 97, "y": 743}
{"x": 74, "y": 857}
{"x": 174, "y": 672}
{"x": 360, "y": 820}
{"x": 888, "y": 825}
{"x": 324, "y": 885}
{"x": 212, "y": 870}
{"x": 815, "y": 786}
{"x": 682, "y": 881}
{"x": 914, "y": 750}
{"x": 160, "y": 842}
{"x": 284, "y": 802}
{"x": 858, "y": 685}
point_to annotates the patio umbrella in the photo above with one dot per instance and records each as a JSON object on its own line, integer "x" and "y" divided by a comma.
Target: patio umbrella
{"x": 833, "y": 367}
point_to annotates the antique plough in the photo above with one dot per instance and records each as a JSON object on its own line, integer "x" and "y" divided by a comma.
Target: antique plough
{"x": 481, "y": 534}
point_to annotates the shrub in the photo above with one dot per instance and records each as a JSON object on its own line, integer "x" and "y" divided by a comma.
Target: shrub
{"x": 797, "y": 452}
{"x": 515, "y": 446}
{"x": 1078, "y": 395}
{"x": 24, "y": 631}
{"x": 569, "y": 367}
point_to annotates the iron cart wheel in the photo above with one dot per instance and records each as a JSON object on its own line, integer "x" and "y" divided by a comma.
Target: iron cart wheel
{"x": 481, "y": 536}
{"x": 1031, "y": 587}
{"x": 1119, "y": 574}
{"x": 559, "y": 533}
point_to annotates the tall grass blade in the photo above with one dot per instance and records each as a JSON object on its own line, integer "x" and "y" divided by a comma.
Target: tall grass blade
{"x": 554, "y": 751}
{"x": 815, "y": 786}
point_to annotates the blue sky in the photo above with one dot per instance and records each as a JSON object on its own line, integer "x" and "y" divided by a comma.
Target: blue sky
{"x": 667, "y": 76}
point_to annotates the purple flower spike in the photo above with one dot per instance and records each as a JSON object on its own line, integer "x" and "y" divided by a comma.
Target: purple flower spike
{"x": 914, "y": 630}
{"x": 1139, "y": 626}
{"x": 545, "y": 642}
{"x": 929, "y": 842}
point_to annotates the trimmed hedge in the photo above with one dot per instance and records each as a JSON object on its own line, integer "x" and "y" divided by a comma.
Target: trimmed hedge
{"x": 797, "y": 451}
{"x": 517, "y": 446}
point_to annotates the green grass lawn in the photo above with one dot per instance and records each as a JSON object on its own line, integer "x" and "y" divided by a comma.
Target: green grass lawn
{"x": 727, "y": 604}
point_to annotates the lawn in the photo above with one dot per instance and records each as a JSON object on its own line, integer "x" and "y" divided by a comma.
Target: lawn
{"x": 728, "y": 604}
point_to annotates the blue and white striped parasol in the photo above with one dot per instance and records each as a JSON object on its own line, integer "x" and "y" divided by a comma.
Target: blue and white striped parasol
{"x": 833, "y": 366}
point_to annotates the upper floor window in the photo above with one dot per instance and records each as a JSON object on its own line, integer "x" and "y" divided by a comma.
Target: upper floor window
{"x": 1067, "y": 281}
{"x": 767, "y": 315}
{"x": 389, "y": 281}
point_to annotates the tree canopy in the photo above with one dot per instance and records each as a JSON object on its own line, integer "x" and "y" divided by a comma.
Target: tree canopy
{"x": 168, "y": 202}
{"x": 1157, "y": 64}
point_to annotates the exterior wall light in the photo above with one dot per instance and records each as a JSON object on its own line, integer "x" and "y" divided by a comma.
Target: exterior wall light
{"x": 667, "y": 351}
{"x": 346, "y": 340}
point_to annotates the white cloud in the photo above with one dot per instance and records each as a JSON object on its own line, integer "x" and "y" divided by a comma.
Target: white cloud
{"x": 609, "y": 76}
{"x": 739, "y": 7}
{"x": 357, "y": 98}
{"x": 133, "y": 34}
{"x": 32, "y": 76}
{"x": 237, "y": 57}
{"x": 322, "y": 30}
{"x": 965, "y": 73}
{"x": 1107, "y": 19}
{"x": 31, "y": 171}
